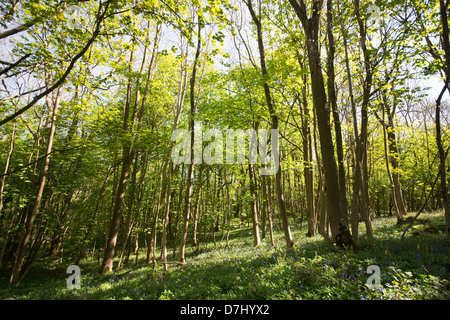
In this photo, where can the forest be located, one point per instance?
(224, 149)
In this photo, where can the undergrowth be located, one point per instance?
(414, 268)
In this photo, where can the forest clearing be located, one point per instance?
(224, 149)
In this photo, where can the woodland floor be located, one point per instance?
(417, 267)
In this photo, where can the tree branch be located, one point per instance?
(68, 70)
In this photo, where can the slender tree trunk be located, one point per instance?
(267, 195)
(442, 156)
(361, 147)
(337, 217)
(320, 219)
(322, 209)
(354, 215)
(17, 211)
(166, 218)
(264, 208)
(359, 198)
(274, 118)
(5, 171)
(308, 171)
(179, 106)
(91, 225)
(443, 8)
(333, 101)
(393, 155)
(391, 158)
(254, 212)
(130, 217)
(228, 214)
(388, 169)
(127, 159)
(178, 212)
(196, 216)
(308, 165)
(26, 235)
(181, 252)
(159, 205)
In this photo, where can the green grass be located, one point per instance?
(416, 268)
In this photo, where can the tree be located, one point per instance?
(443, 8)
(338, 218)
(274, 118)
(193, 104)
(101, 16)
(127, 159)
(333, 101)
(17, 271)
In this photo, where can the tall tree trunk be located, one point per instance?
(5, 171)
(356, 164)
(361, 147)
(393, 155)
(16, 275)
(267, 196)
(322, 208)
(179, 106)
(178, 211)
(333, 101)
(87, 233)
(308, 169)
(391, 158)
(187, 208)
(337, 217)
(388, 170)
(264, 209)
(442, 156)
(196, 213)
(228, 213)
(17, 211)
(320, 219)
(274, 118)
(443, 8)
(131, 219)
(254, 212)
(127, 159)
(166, 218)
